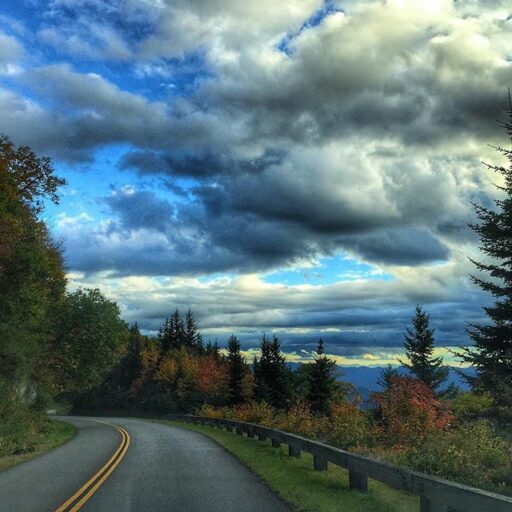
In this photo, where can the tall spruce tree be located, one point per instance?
(213, 350)
(192, 337)
(321, 381)
(271, 374)
(172, 333)
(237, 371)
(491, 354)
(419, 347)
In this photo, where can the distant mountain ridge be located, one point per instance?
(365, 378)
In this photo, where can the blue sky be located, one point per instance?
(305, 168)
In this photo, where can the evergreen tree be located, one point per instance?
(491, 354)
(271, 374)
(386, 375)
(419, 347)
(192, 337)
(172, 333)
(237, 371)
(321, 381)
(213, 350)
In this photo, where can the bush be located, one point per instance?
(346, 426)
(256, 412)
(300, 420)
(469, 406)
(408, 411)
(251, 412)
(470, 454)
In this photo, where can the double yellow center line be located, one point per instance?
(96, 481)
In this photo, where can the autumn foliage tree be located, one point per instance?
(409, 410)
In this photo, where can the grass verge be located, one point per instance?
(295, 481)
(59, 432)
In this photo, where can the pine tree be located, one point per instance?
(491, 354)
(172, 333)
(386, 376)
(237, 371)
(321, 381)
(177, 329)
(213, 350)
(271, 374)
(419, 347)
(192, 337)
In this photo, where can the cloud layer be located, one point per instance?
(264, 136)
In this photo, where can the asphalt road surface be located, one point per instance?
(139, 466)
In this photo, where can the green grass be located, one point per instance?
(298, 484)
(59, 432)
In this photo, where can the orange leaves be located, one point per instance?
(409, 411)
(181, 374)
(212, 377)
(255, 412)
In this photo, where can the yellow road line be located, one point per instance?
(104, 477)
(101, 475)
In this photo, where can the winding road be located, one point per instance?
(128, 465)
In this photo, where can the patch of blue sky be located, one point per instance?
(328, 270)
(328, 8)
(173, 77)
(89, 182)
(22, 11)
(161, 78)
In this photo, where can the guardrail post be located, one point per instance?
(357, 481)
(319, 463)
(276, 443)
(293, 451)
(429, 505)
(262, 437)
(239, 431)
(250, 433)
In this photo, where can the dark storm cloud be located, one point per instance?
(405, 246)
(197, 166)
(193, 239)
(141, 209)
(331, 147)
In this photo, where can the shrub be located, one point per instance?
(468, 406)
(300, 420)
(408, 411)
(256, 412)
(470, 454)
(346, 426)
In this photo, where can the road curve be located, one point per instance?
(154, 468)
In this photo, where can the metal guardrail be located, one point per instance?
(436, 494)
